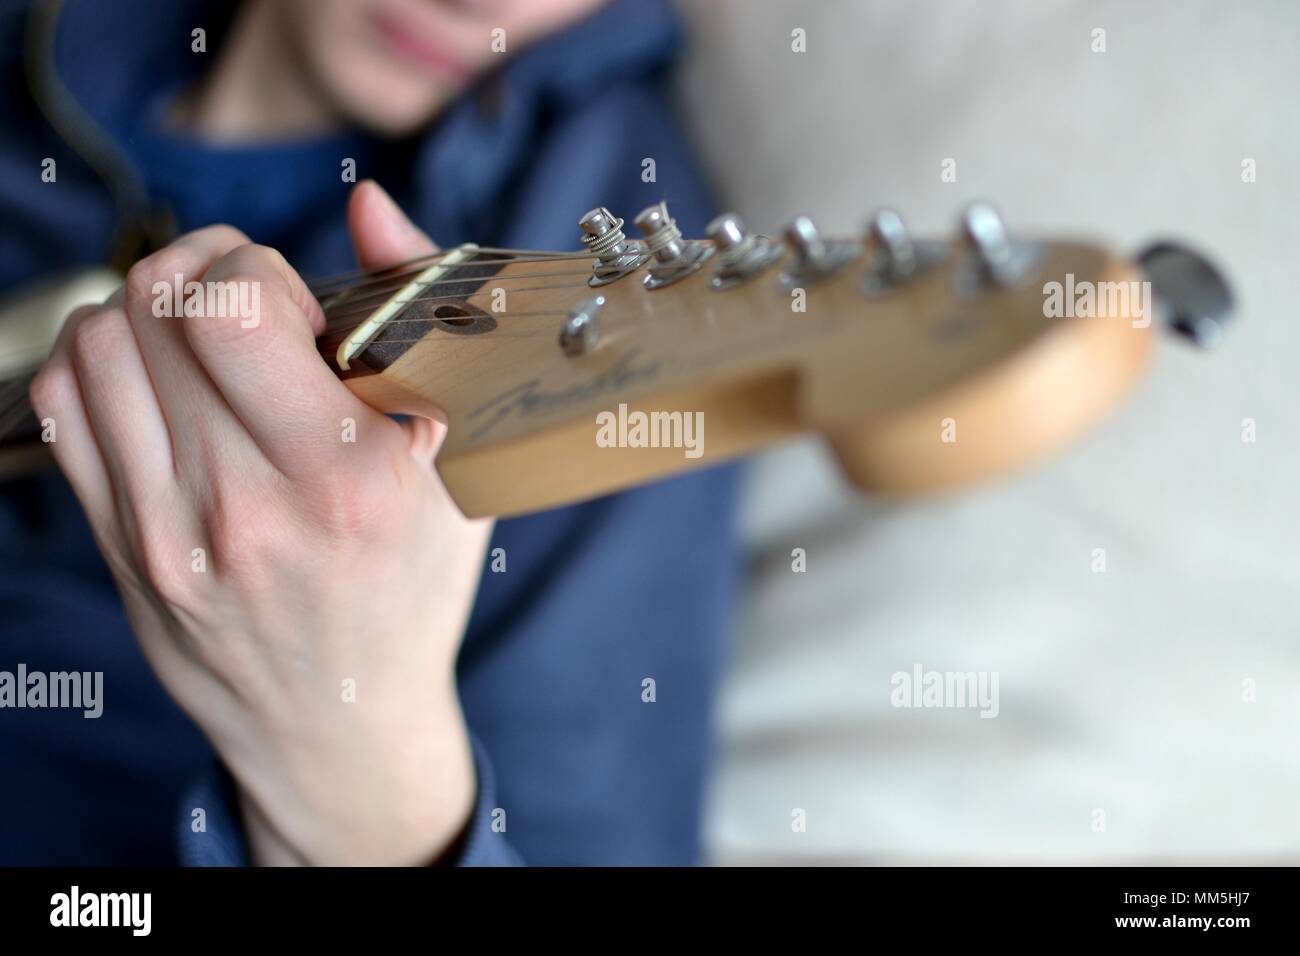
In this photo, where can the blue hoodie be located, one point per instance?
(595, 598)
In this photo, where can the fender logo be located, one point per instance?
(529, 398)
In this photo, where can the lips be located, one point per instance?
(408, 43)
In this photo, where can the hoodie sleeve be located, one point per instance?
(210, 832)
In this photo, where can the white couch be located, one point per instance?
(1125, 692)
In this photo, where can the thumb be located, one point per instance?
(381, 233)
(424, 436)
(383, 236)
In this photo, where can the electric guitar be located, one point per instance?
(925, 364)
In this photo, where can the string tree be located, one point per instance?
(581, 329)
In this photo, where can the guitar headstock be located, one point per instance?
(926, 364)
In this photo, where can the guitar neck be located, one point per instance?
(29, 324)
(925, 363)
(16, 416)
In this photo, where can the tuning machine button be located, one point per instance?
(615, 254)
(994, 258)
(1191, 295)
(741, 254)
(895, 257)
(815, 258)
(674, 258)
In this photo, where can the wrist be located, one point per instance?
(405, 801)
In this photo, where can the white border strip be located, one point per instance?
(362, 335)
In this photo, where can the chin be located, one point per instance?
(394, 121)
(393, 109)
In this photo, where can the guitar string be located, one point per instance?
(323, 349)
(338, 284)
(470, 278)
(450, 318)
(38, 353)
(429, 258)
(329, 351)
(315, 286)
(342, 316)
(391, 278)
(396, 284)
(382, 294)
(326, 353)
(497, 254)
(331, 285)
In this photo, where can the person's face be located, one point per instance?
(390, 65)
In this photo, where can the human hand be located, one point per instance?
(301, 596)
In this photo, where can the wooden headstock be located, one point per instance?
(925, 365)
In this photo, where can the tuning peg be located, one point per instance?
(604, 238)
(675, 258)
(661, 233)
(986, 235)
(1192, 295)
(599, 223)
(806, 240)
(814, 257)
(741, 254)
(893, 246)
(999, 260)
(729, 234)
(896, 258)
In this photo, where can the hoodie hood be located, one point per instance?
(111, 66)
(514, 161)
